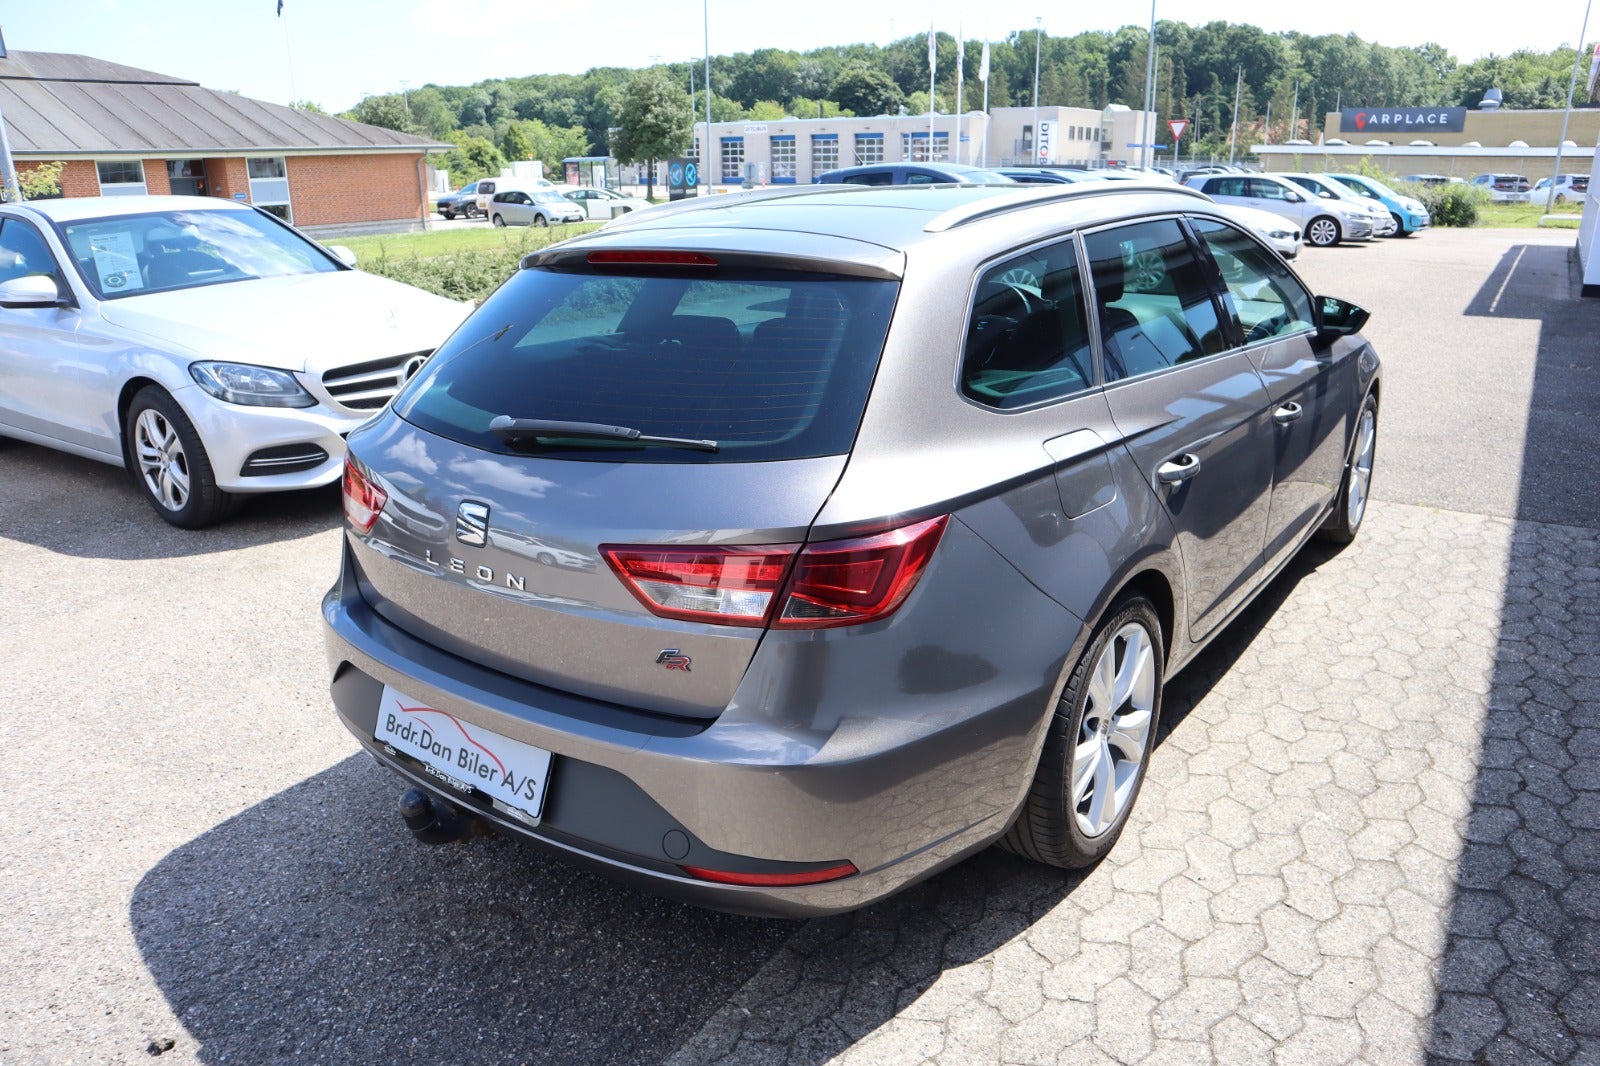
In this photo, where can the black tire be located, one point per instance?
(1345, 521)
(154, 417)
(1324, 231)
(449, 216)
(497, 221)
(1048, 829)
(1399, 226)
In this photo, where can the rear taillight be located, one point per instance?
(363, 499)
(786, 586)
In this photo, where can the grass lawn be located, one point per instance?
(1527, 216)
(484, 238)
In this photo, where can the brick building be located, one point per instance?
(121, 130)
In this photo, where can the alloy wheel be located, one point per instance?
(1323, 232)
(1361, 468)
(162, 462)
(1114, 730)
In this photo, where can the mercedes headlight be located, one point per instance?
(252, 386)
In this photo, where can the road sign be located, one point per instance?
(682, 177)
(1177, 126)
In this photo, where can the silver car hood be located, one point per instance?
(304, 323)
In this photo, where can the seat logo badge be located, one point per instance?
(472, 523)
(673, 659)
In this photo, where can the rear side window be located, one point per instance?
(770, 365)
(1028, 338)
(1225, 187)
(1154, 305)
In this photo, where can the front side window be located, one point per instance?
(125, 255)
(1225, 187)
(24, 253)
(1154, 306)
(769, 364)
(1267, 190)
(121, 177)
(1264, 299)
(1028, 336)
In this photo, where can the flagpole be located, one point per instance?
(983, 75)
(961, 62)
(1577, 63)
(933, 65)
(294, 91)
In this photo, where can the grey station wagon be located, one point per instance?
(778, 550)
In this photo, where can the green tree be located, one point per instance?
(867, 91)
(309, 106)
(472, 158)
(41, 181)
(390, 112)
(516, 143)
(768, 111)
(654, 122)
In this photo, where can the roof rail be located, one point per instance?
(730, 199)
(1034, 195)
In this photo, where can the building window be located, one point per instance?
(187, 177)
(914, 148)
(121, 177)
(269, 186)
(732, 159)
(783, 160)
(824, 152)
(869, 148)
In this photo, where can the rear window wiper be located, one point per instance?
(526, 432)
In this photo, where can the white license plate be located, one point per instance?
(466, 756)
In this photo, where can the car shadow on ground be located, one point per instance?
(42, 502)
(313, 927)
(1520, 976)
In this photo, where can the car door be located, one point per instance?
(53, 370)
(1312, 390)
(1271, 196)
(1191, 407)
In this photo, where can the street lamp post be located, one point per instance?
(1038, 23)
(1550, 200)
(1147, 120)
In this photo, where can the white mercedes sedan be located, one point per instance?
(204, 345)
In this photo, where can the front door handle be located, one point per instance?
(1179, 468)
(1289, 412)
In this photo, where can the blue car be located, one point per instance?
(912, 174)
(1409, 214)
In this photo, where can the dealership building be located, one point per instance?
(1454, 141)
(120, 130)
(795, 151)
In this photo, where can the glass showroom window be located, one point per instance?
(824, 153)
(732, 159)
(869, 148)
(121, 177)
(269, 186)
(914, 148)
(783, 160)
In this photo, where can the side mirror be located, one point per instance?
(1339, 318)
(34, 290)
(1295, 198)
(343, 254)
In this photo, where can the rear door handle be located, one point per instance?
(1179, 468)
(1287, 413)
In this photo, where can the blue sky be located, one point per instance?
(344, 48)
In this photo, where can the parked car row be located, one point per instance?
(528, 202)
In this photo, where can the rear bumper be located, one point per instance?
(805, 767)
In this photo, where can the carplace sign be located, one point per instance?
(1402, 119)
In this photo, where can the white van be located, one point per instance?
(487, 187)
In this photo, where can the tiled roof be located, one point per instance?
(66, 105)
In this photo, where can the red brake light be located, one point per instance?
(819, 586)
(363, 499)
(651, 258)
(803, 877)
(732, 586)
(845, 582)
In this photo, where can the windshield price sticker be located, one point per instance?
(466, 756)
(115, 262)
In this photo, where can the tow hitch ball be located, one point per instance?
(437, 822)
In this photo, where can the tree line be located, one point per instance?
(1286, 81)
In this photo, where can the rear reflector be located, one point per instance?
(775, 880)
(363, 499)
(819, 586)
(650, 258)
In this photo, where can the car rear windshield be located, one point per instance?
(770, 365)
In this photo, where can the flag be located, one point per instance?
(933, 51)
(983, 64)
(1594, 68)
(280, 8)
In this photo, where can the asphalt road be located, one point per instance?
(199, 865)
